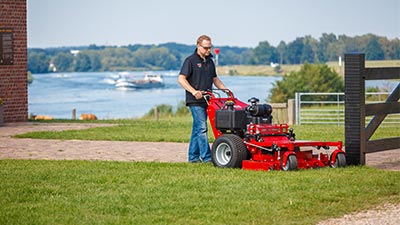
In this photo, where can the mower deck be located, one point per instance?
(310, 154)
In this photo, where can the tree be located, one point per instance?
(309, 52)
(117, 58)
(395, 49)
(264, 53)
(63, 62)
(307, 55)
(83, 63)
(324, 42)
(228, 57)
(160, 57)
(38, 62)
(235, 56)
(170, 56)
(295, 49)
(374, 51)
(310, 78)
(282, 52)
(95, 62)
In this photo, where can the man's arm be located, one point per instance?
(185, 84)
(218, 83)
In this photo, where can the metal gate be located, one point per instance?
(328, 108)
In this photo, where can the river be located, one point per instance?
(56, 94)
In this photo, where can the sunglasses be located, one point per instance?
(206, 48)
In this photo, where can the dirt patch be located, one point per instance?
(14, 148)
(387, 214)
(387, 160)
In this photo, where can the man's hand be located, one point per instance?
(197, 94)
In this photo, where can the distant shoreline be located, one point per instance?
(266, 70)
(262, 70)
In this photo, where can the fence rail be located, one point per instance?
(316, 110)
(279, 113)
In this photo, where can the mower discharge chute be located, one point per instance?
(246, 138)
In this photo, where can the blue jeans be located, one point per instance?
(199, 149)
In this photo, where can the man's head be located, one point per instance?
(204, 46)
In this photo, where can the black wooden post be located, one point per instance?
(355, 108)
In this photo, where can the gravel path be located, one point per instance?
(387, 214)
(12, 148)
(83, 150)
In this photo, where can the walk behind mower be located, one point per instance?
(246, 138)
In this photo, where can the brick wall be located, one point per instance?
(13, 78)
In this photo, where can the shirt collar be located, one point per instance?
(207, 57)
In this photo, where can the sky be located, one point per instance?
(240, 23)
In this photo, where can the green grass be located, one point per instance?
(178, 129)
(95, 192)
(173, 129)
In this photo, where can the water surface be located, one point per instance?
(56, 94)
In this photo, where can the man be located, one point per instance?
(198, 74)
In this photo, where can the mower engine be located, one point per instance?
(246, 138)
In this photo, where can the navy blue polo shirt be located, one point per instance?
(200, 75)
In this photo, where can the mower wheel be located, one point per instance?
(340, 161)
(228, 151)
(291, 163)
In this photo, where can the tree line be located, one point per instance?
(170, 56)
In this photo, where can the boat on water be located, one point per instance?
(148, 81)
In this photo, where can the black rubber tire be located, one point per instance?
(291, 163)
(228, 151)
(340, 161)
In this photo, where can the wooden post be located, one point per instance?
(279, 112)
(156, 113)
(355, 108)
(73, 114)
(291, 111)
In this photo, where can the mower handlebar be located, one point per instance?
(213, 92)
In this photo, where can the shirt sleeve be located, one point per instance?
(186, 68)
(214, 74)
(214, 70)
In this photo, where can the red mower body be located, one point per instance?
(246, 138)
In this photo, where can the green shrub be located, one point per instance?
(30, 77)
(277, 69)
(164, 110)
(310, 78)
(374, 97)
(182, 109)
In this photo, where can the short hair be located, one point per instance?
(202, 38)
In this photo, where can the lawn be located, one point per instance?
(177, 129)
(95, 192)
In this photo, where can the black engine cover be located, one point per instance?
(233, 120)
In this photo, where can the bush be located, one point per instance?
(30, 77)
(277, 69)
(374, 97)
(182, 109)
(164, 110)
(310, 78)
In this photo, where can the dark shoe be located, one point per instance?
(194, 161)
